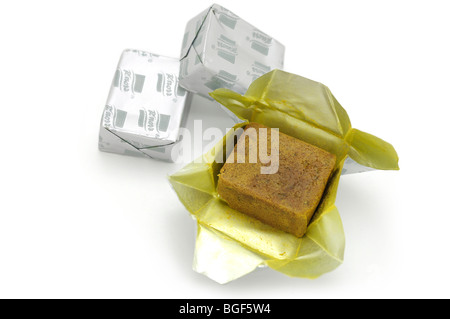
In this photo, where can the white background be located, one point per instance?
(78, 223)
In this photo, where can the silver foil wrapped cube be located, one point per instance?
(220, 50)
(145, 108)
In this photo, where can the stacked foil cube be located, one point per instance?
(150, 94)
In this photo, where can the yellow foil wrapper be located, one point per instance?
(230, 244)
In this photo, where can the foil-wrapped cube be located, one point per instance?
(145, 108)
(220, 50)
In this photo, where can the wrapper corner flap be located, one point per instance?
(308, 110)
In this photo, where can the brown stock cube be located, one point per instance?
(286, 199)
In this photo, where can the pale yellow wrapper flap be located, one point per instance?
(308, 110)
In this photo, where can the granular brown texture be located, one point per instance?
(285, 200)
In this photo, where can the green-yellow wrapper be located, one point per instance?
(230, 244)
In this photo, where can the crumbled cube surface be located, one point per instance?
(285, 200)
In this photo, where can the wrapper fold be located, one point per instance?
(230, 244)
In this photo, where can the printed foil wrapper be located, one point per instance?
(220, 50)
(145, 108)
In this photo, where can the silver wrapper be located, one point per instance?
(145, 108)
(220, 50)
(352, 167)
